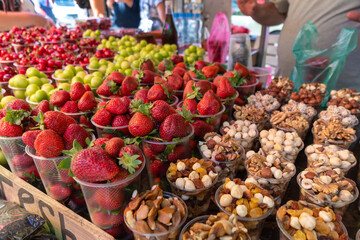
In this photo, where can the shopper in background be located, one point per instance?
(127, 12)
(44, 7)
(329, 17)
(152, 15)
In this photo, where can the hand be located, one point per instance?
(247, 6)
(353, 16)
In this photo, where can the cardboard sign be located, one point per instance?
(66, 223)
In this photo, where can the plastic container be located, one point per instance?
(253, 225)
(199, 80)
(260, 125)
(262, 75)
(23, 47)
(288, 156)
(171, 234)
(59, 80)
(99, 198)
(175, 101)
(21, 68)
(201, 219)
(109, 132)
(342, 144)
(4, 63)
(18, 92)
(284, 235)
(32, 104)
(247, 143)
(229, 105)
(5, 86)
(302, 134)
(197, 200)
(247, 90)
(338, 207)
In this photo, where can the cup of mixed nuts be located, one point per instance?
(281, 88)
(347, 98)
(338, 113)
(253, 114)
(308, 111)
(312, 94)
(266, 101)
(290, 121)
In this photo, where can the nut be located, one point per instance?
(180, 166)
(225, 200)
(236, 192)
(180, 183)
(294, 222)
(210, 144)
(307, 221)
(268, 201)
(241, 210)
(189, 185)
(326, 216)
(220, 157)
(206, 180)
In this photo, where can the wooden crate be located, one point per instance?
(66, 223)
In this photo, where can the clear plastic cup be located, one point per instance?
(201, 219)
(260, 125)
(262, 75)
(19, 162)
(284, 235)
(5, 86)
(175, 101)
(23, 47)
(32, 104)
(59, 80)
(340, 143)
(110, 132)
(154, 150)
(105, 201)
(288, 156)
(302, 134)
(247, 90)
(197, 200)
(246, 143)
(229, 105)
(105, 99)
(338, 207)
(92, 70)
(57, 182)
(253, 225)
(4, 63)
(18, 92)
(171, 234)
(199, 80)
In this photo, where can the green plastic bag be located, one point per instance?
(321, 65)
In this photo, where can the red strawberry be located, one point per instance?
(192, 74)
(129, 85)
(244, 71)
(69, 120)
(59, 192)
(179, 152)
(100, 141)
(105, 219)
(140, 125)
(187, 78)
(157, 92)
(75, 132)
(165, 64)
(161, 110)
(18, 104)
(216, 81)
(173, 127)
(210, 71)
(64, 173)
(113, 146)
(204, 86)
(225, 89)
(30, 136)
(87, 87)
(87, 102)
(229, 75)
(190, 105)
(188, 88)
(222, 70)
(175, 81)
(70, 107)
(59, 98)
(109, 198)
(179, 70)
(43, 106)
(200, 64)
(104, 89)
(116, 106)
(77, 90)
(142, 95)
(117, 77)
(121, 121)
(132, 150)
(3, 113)
(56, 121)
(30, 170)
(149, 153)
(22, 161)
(102, 117)
(158, 168)
(101, 105)
(147, 65)
(8, 129)
(93, 165)
(181, 65)
(49, 144)
(201, 128)
(177, 59)
(208, 105)
(147, 76)
(85, 121)
(157, 148)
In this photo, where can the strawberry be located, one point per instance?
(59, 98)
(149, 153)
(126, 101)
(87, 87)
(225, 89)
(93, 165)
(70, 107)
(83, 120)
(157, 148)
(128, 86)
(76, 91)
(18, 104)
(201, 128)
(177, 59)
(229, 74)
(22, 161)
(210, 71)
(204, 86)
(59, 192)
(179, 152)
(216, 80)
(117, 77)
(121, 121)
(30, 170)
(147, 64)
(158, 92)
(161, 110)
(140, 125)
(131, 158)
(192, 74)
(147, 76)
(87, 102)
(75, 132)
(174, 80)
(181, 65)
(102, 117)
(208, 105)
(101, 105)
(69, 120)
(173, 127)
(158, 168)
(100, 141)
(189, 88)
(105, 88)
(49, 144)
(186, 78)
(165, 64)
(43, 106)
(113, 146)
(8, 129)
(123, 174)
(179, 70)
(30, 136)
(132, 150)
(116, 106)
(109, 198)
(142, 95)
(56, 121)
(190, 105)
(222, 70)
(241, 69)
(105, 219)
(200, 64)
(2, 113)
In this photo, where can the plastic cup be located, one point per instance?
(338, 207)
(197, 200)
(154, 150)
(247, 90)
(302, 134)
(201, 219)
(18, 92)
(32, 104)
(23, 47)
(260, 124)
(171, 234)
(247, 143)
(109, 132)
(253, 225)
(199, 80)
(4, 63)
(175, 101)
(99, 197)
(341, 143)
(229, 105)
(284, 235)
(92, 70)
(288, 156)
(13, 149)
(5, 86)
(262, 75)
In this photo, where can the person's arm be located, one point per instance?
(353, 16)
(161, 11)
(266, 14)
(23, 19)
(98, 8)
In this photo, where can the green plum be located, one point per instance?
(3, 161)
(96, 82)
(32, 98)
(47, 87)
(94, 65)
(31, 71)
(79, 69)
(31, 89)
(20, 94)
(58, 72)
(77, 79)
(87, 78)
(64, 86)
(41, 95)
(5, 100)
(35, 80)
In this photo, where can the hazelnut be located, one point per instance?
(326, 216)
(310, 175)
(266, 173)
(180, 166)
(307, 221)
(294, 222)
(211, 144)
(236, 192)
(225, 200)
(268, 201)
(220, 157)
(241, 210)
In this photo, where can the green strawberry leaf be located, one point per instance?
(166, 91)
(210, 120)
(115, 132)
(114, 88)
(186, 114)
(16, 116)
(135, 104)
(237, 80)
(116, 212)
(129, 162)
(195, 94)
(71, 174)
(167, 73)
(40, 120)
(76, 148)
(65, 163)
(139, 76)
(199, 74)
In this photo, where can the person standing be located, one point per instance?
(44, 7)
(152, 15)
(127, 12)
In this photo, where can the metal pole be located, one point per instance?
(263, 45)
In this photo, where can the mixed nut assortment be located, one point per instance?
(310, 93)
(303, 221)
(333, 113)
(281, 88)
(331, 155)
(347, 98)
(216, 227)
(266, 101)
(290, 121)
(347, 93)
(308, 111)
(243, 131)
(253, 114)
